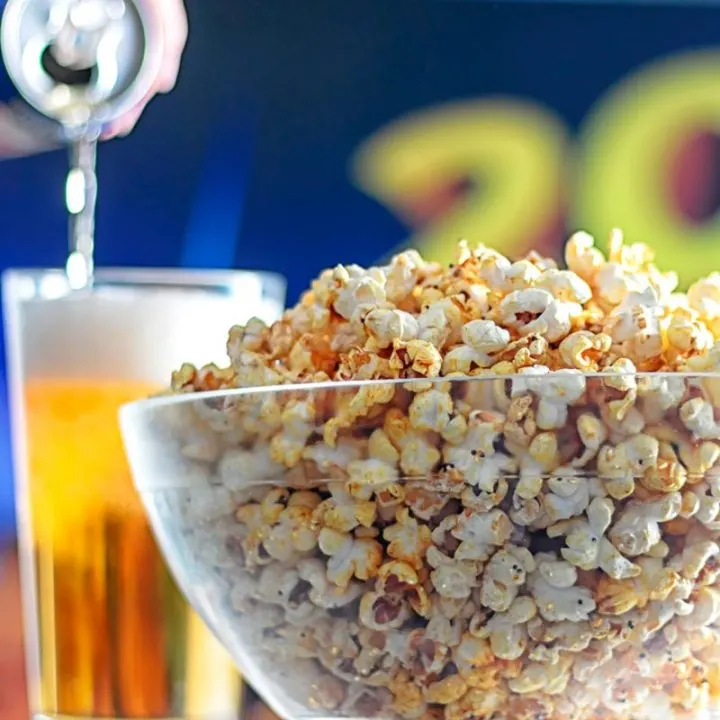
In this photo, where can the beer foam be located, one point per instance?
(141, 334)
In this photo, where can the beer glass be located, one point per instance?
(108, 634)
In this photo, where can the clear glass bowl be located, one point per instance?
(534, 546)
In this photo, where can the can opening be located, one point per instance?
(63, 74)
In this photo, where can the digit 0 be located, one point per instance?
(488, 170)
(629, 149)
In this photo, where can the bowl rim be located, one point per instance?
(157, 401)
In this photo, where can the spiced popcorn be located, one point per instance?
(483, 492)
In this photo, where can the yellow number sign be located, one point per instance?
(627, 147)
(508, 154)
(516, 167)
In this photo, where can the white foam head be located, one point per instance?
(133, 325)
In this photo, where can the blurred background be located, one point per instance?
(303, 134)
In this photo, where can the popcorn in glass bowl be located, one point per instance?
(483, 492)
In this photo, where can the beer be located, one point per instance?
(115, 639)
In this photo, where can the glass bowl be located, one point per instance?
(538, 546)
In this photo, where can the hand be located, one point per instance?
(171, 20)
(19, 137)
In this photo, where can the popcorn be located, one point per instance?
(568, 495)
(522, 274)
(427, 657)
(627, 460)
(656, 586)
(565, 286)
(698, 416)
(367, 290)
(419, 356)
(359, 405)
(705, 609)
(503, 575)
(536, 311)
(659, 393)
(480, 533)
(408, 699)
(484, 336)
(407, 539)
(506, 630)
(425, 503)
(557, 637)
(583, 349)
(403, 274)
(637, 528)
(293, 533)
(439, 322)
(694, 557)
(332, 461)
(482, 339)
(582, 258)
(322, 592)
(343, 512)
(686, 335)
(699, 458)
(430, 410)
(708, 509)
(445, 691)
(540, 676)
(556, 596)
(366, 476)
(418, 456)
(483, 501)
(476, 457)
(634, 325)
(704, 297)
(588, 548)
(349, 557)
(397, 591)
(477, 703)
(556, 392)
(452, 578)
(474, 660)
(511, 510)
(384, 326)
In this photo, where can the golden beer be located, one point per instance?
(115, 637)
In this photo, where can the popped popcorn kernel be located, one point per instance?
(536, 311)
(506, 631)
(386, 325)
(585, 351)
(349, 557)
(557, 597)
(407, 539)
(504, 574)
(583, 258)
(485, 337)
(430, 410)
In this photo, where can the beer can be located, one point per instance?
(81, 63)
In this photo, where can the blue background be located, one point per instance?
(245, 164)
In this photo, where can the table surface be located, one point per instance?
(13, 696)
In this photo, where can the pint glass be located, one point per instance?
(107, 633)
